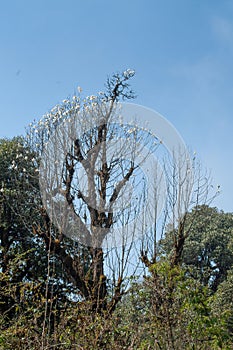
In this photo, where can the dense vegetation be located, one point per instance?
(59, 293)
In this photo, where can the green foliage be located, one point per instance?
(222, 303)
(208, 249)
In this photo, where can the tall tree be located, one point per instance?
(87, 158)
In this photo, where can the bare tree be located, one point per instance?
(180, 186)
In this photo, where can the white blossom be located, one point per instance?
(129, 73)
(54, 109)
(130, 131)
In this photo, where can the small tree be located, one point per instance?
(207, 251)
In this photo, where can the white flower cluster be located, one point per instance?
(14, 166)
(22, 160)
(46, 125)
(130, 131)
(75, 110)
(128, 73)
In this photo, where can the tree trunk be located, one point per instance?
(99, 289)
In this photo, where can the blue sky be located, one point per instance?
(182, 52)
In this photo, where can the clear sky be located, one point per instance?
(182, 51)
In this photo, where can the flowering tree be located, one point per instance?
(18, 246)
(92, 188)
